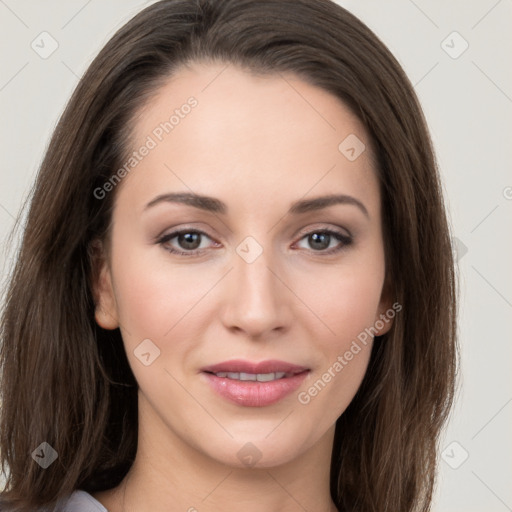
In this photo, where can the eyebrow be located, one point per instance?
(211, 204)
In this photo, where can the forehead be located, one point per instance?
(216, 128)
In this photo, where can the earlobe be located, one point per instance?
(105, 312)
(386, 312)
(384, 321)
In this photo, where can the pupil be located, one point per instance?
(189, 240)
(319, 240)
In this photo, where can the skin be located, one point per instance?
(257, 143)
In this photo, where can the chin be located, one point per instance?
(259, 451)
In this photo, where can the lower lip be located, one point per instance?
(253, 393)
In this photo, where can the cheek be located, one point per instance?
(352, 305)
(349, 313)
(348, 304)
(152, 295)
(349, 307)
(170, 304)
(346, 299)
(162, 305)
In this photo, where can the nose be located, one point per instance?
(257, 302)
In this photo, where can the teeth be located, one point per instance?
(260, 377)
(248, 376)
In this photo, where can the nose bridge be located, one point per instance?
(255, 281)
(256, 301)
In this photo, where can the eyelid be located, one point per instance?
(164, 238)
(323, 227)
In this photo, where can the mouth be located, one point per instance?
(254, 377)
(251, 384)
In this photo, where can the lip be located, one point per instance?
(239, 365)
(255, 393)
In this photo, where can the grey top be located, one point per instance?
(77, 501)
(81, 501)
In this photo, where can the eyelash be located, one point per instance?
(344, 239)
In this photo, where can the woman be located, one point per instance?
(236, 285)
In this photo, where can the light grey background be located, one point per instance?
(467, 100)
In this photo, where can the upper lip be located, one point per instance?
(241, 366)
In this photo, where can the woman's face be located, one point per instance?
(267, 280)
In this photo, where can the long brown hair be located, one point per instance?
(67, 382)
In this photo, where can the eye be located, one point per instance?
(189, 242)
(326, 241)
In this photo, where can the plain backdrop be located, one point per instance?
(458, 56)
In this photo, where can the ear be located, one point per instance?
(105, 313)
(386, 311)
